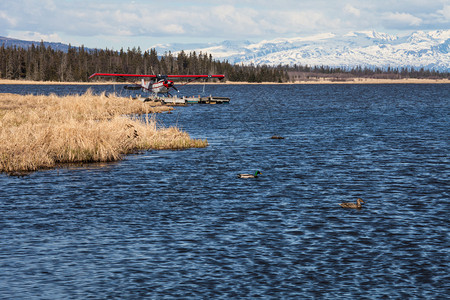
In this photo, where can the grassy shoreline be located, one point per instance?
(42, 132)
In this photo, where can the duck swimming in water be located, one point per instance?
(249, 175)
(356, 205)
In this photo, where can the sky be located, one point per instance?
(116, 24)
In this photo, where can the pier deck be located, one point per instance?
(186, 100)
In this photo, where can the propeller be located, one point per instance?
(170, 84)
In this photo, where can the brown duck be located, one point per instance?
(250, 175)
(356, 205)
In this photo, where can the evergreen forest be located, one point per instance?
(40, 63)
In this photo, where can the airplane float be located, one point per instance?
(158, 84)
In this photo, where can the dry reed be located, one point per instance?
(38, 132)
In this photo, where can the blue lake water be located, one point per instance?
(180, 224)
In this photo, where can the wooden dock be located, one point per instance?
(186, 100)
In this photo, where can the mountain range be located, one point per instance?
(10, 42)
(421, 49)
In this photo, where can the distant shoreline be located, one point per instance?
(357, 81)
(316, 81)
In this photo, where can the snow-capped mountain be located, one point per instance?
(10, 42)
(429, 50)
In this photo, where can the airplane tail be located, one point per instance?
(145, 86)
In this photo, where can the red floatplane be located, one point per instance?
(158, 84)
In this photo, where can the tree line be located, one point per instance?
(297, 73)
(40, 63)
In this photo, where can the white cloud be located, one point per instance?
(445, 12)
(297, 21)
(175, 20)
(239, 21)
(402, 20)
(7, 19)
(352, 10)
(36, 36)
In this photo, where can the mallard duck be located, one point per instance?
(356, 205)
(249, 175)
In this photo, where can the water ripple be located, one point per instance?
(180, 224)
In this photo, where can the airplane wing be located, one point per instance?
(197, 76)
(120, 75)
(155, 76)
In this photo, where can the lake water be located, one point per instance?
(180, 224)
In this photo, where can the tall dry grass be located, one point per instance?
(39, 132)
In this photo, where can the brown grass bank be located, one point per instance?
(39, 132)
